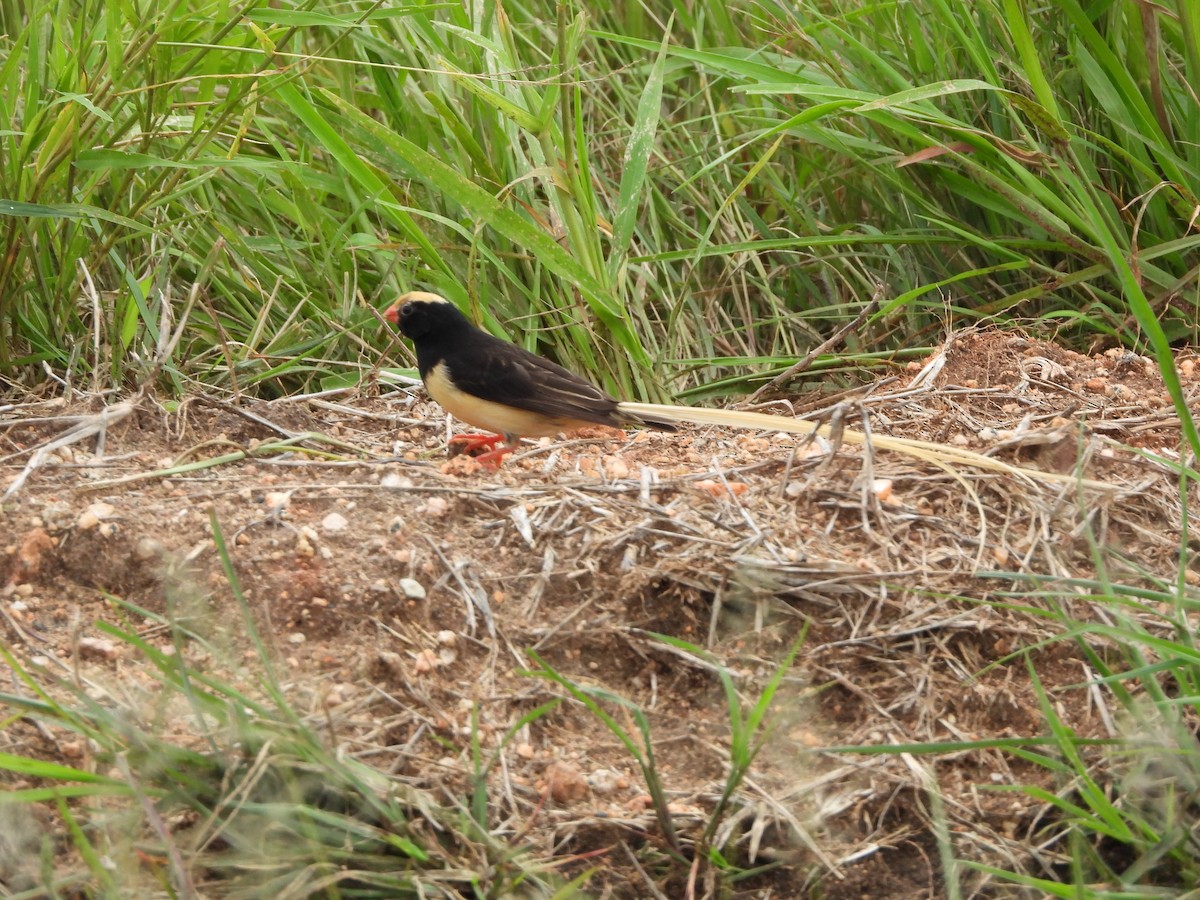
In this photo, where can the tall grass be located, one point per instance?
(650, 193)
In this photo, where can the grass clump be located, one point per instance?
(710, 192)
(713, 856)
(1133, 825)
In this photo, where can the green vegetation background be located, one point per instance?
(679, 199)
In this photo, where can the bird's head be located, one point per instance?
(417, 313)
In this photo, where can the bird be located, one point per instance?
(497, 386)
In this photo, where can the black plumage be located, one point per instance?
(496, 385)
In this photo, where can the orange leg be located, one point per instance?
(493, 458)
(470, 443)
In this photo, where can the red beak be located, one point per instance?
(392, 313)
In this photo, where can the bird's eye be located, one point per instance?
(406, 310)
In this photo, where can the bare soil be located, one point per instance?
(400, 592)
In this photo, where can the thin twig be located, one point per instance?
(779, 380)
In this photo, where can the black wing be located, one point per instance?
(495, 370)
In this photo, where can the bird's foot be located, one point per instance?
(470, 444)
(493, 458)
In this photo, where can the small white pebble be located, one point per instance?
(297, 637)
(447, 638)
(147, 548)
(882, 488)
(94, 515)
(412, 589)
(436, 507)
(335, 522)
(395, 480)
(616, 468)
(604, 781)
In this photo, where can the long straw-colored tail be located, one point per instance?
(940, 454)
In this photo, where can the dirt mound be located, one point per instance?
(402, 591)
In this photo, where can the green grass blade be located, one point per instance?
(636, 161)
